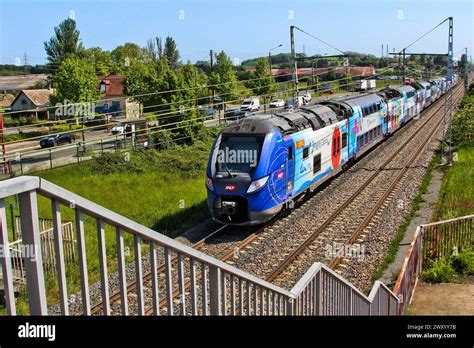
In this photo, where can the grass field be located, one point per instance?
(457, 192)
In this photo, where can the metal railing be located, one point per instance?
(192, 283)
(441, 238)
(431, 241)
(321, 291)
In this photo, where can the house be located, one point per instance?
(6, 101)
(32, 103)
(114, 100)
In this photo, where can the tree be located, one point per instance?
(75, 82)
(101, 60)
(168, 94)
(204, 66)
(224, 76)
(196, 79)
(64, 43)
(155, 48)
(261, 81)
(124, 55)
(171, 53)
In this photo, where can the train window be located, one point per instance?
(305, 152)
(290, 153)
(317, 163)
(344, 139)
(366, 138)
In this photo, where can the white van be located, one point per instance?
(250, 104)
(295, 102)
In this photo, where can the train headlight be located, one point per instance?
(209, 184)
(257, 184)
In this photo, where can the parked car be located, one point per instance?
(118, 129)
(277, 103)
(208, 113)
(235, 114)
(306, 97)
(58, 139)
(250, 104)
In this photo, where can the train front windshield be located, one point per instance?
(239, 154)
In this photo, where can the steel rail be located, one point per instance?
(296, 252)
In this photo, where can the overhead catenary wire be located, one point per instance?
(161, 128)
(173, 113)
(81, 118)
(425, 34)
(139, 95)
(320, 40)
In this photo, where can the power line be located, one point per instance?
(428, 32)
(320, 40)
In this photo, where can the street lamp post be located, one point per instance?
(270, 67)
(270, 56)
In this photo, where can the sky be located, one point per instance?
(242, 28)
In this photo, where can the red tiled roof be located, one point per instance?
(113, 85)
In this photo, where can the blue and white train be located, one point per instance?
(264, 163)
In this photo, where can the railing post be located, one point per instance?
(6, 262)
(215, 290)
(350, 301)
(50, 160)
(318, 294)
(34, 263)
(291, 306)
(59, 251)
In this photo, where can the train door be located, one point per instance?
(290, 169)
(336, 148)
(386, 119)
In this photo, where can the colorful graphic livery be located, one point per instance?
(264, 163)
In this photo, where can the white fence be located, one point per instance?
(193, 284)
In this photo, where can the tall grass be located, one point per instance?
(457, 191)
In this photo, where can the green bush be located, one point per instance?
(464, 262)
(65, 127)
(440, 271)
(24, 121)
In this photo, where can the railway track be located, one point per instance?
(231, 246)
(224, 253)
(352, 232)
